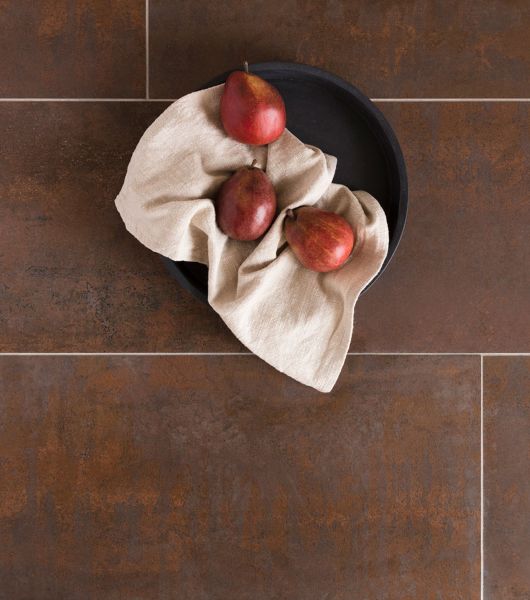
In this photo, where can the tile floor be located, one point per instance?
(155, 476)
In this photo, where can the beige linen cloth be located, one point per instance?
(297, 320)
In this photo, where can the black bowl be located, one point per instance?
(326, 111)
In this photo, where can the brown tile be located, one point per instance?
(180, 477)
(389, 49)
(72, 278)
(459, 281)
(72, 48)
(506, 481)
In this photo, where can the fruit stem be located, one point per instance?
(253, 163)
(245, 66)
(289, 213)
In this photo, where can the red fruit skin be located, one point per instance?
(252, 110)
(246, 204)
(321, 240)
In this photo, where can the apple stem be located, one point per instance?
(245, 66)
(253, 163)
(289, 213)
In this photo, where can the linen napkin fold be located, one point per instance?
(297, 320)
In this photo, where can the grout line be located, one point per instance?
(87, 100)
(246, 354)
(413, 354)
(147, 49)
(148, 99)
(505, 354)
(450, 99)
(125, 354)
(439, 354)
(481, 477)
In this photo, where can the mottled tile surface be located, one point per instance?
(387, 48)
(72, 48)
(73, 279)
(459, 281)
(179, 477)
(506, 477)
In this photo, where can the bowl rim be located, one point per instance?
(386, 136)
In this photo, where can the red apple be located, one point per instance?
(321, 240)
(252, 110)
(246, 204)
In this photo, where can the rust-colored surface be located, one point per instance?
(180, 477)
(389, 49)
(73, 279)
(506, 477)
(459, 281)
(72, 48)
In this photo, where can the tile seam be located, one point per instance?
(482, 477)
(480, 354)
(147, 50)
(149, 99)
(87, 99)
(450, 100)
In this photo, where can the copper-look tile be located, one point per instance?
(217, 477)
(73, 279)
(72, 48)
(387, 48)
(506, 478)
(459, 281)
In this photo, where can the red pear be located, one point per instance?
(252, 110)
(246, 204)
(321, 240)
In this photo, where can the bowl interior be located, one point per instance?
(327, 112)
